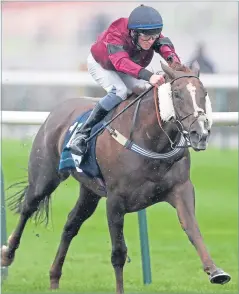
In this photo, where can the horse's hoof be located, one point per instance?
(219, 277)
(6, 261)
(54, 285)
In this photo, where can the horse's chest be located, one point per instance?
(166, 177)
(156, 183)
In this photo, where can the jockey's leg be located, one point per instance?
(134, 85)
(116, 93)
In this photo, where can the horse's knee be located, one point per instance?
(71, 228)
(69, 232)
(118, 256)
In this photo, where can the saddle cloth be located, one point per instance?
(87, 164)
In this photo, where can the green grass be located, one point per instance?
(176, 267)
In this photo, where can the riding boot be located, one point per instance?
(78, 145)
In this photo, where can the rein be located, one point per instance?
(157, 106)
(177, 151)
(123, 110)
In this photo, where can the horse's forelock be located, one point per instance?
(180, 67)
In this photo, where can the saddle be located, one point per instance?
(86, 164)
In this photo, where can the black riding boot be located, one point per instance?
(78, 144)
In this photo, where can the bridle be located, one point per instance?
(182, 142)
(178, 121)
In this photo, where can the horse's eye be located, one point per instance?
(176, 94)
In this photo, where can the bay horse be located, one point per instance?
(152, 167)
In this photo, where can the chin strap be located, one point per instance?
(135, 36)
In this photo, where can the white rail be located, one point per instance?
(37, 118)
(52, 78)
(78, 79)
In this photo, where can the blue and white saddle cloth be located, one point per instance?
(87, 164)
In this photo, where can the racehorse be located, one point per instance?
(141, 166)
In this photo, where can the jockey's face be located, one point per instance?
(146, 41)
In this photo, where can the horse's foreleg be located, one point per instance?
(115, 215)
(183, 199)
(84, 208)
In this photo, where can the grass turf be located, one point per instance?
(175, 265)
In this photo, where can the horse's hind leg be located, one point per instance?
(43, 180)
(84, 208)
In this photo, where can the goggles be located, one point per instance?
(146, 38)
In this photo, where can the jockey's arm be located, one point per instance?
(166, 49)
(121, 59)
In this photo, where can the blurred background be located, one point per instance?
(56, 37)
(42, 40)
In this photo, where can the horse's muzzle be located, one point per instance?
(199, 141)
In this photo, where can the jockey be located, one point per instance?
(117, 63)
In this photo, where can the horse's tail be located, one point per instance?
(16, 200)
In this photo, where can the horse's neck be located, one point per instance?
(159, 137)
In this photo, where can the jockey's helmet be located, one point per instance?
(146, 20)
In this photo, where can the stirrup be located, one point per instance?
(83, 131)
(79, 149)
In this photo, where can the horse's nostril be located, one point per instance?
(193, 133)
(204, 136)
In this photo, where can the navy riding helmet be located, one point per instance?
(146, 20)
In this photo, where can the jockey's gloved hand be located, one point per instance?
(157, 80)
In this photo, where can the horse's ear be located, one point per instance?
(168, 70)
(195, 67)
